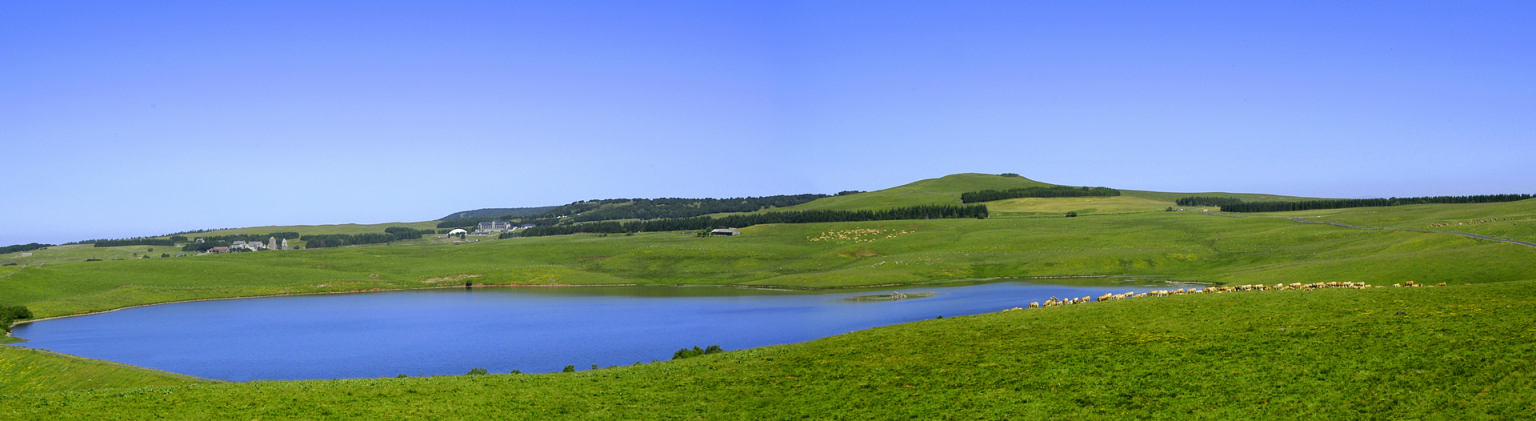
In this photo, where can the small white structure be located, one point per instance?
(24, 255)
(726, 231)
(459, 231)
(284, 245)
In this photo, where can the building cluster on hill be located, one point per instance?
(273, 243)
(489, 227)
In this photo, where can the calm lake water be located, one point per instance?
(439, 332)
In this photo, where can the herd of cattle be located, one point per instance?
(1212, 290)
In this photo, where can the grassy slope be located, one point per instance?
(1055, 207)
(31, 371)
(80, 252)
(1161, 245)
(319, 229)
(1462, 352)
(1171, 196)
(934, 191)
(1513, 220)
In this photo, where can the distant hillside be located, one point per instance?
(944, 190)
(1246, 197)
(497, 213)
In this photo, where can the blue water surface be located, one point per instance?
(440, 332)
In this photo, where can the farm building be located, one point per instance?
(725, 231)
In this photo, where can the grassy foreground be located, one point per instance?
(32, 371)
(1458, 352)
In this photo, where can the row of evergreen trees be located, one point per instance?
(1207, 201)
(1362, 203)
(389, 235)
(463, 223)
(1050, 191)
(687, 208)
(140, 241)
(22, 247)
(741, 221)
(613, 209)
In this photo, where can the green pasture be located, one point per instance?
(1464, 351)
(1459, 352)
(1511, 220)
(351, 229)
(934, 191)
(80, 252)
(1059, 206)
(33, 371)
(1173, 246)
(1171, 197)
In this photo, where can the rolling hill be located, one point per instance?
(1460, 351)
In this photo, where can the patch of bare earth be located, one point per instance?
(450, 278)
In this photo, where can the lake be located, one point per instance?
(450, 331)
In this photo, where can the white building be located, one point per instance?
(494, 226)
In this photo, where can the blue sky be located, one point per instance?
(125, 119)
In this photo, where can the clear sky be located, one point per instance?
(123, 119)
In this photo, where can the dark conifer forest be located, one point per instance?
(1362, 203)
(741, 221)
(1207, 201)
(1052, 191)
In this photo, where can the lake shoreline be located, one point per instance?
(558, 285)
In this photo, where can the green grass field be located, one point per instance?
(1179, 246)
(934, 191)
(1461, 352)
(1512, 220)
(25, 371)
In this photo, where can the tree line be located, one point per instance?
(741, 221)
(389, 235)
(212, 241)
(140, 241)
(1362, 203)
(22, 247)
(1207, 201)
(1044, 191)
(687, 208)
(645, 209)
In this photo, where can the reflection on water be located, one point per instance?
(438, 332)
